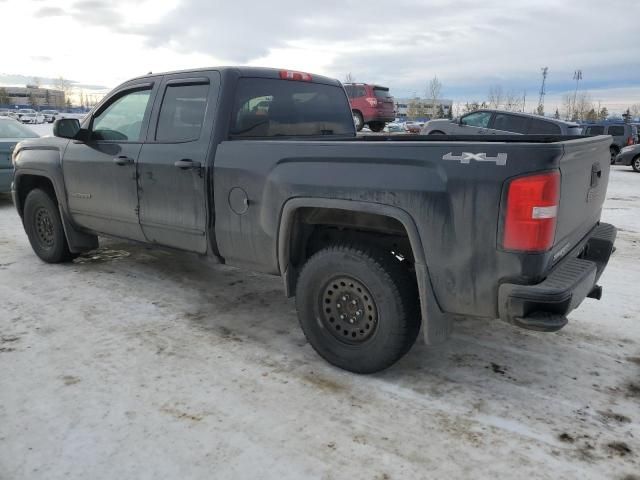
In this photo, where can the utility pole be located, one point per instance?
(524, 100)
(543, 90)
(577, 76)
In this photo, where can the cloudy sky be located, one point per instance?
(469, 44)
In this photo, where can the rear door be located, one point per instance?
(172, 166)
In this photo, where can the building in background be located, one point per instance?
(422, 109)
(33, 96)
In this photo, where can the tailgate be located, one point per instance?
(584, 169)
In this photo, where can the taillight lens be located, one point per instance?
(291, 75)
(372, 101)
(630, 141)
(531, 212)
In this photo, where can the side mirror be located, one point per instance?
(66, 127)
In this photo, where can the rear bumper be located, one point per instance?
(544, 306)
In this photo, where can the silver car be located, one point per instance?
(498, 122)
(629, 156)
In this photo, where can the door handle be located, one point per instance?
(186, 164)
(123, 160)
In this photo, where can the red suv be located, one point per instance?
(371, 105)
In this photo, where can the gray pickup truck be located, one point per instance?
(376, 237)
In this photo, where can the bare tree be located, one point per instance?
(635, 110)
(65, 87)
(496, 96)
(434, 91)
(513, 102)
(348, 78)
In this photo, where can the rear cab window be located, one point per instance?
(266, 107)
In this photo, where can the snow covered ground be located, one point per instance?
(141, 364)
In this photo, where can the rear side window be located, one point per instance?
(510, 123)
(276, 108)
(595, 130)
(182, 113)
(542, 127)
(381, 92)
(616, 131)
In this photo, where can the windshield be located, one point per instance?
(13, 129)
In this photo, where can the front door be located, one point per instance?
(172, 166)
(100, 172)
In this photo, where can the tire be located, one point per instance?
(635, 164)
(376, 126)
(358, 120)
(44, 229)
(436, 132)
(386, 296)
(614, 153)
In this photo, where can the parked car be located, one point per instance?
(498, 122)
(11, 132)
(629, 156)
(378, 237)
(413, 127)
(371, 105)
(35, 117)
(394, 128)
(51, 116)
(22, 111)
(4, 112)
(624, 135)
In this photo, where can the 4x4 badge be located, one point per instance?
(466, 157)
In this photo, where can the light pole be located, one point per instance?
(577, 76)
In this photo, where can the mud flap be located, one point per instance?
(78, 241)
(436, 324)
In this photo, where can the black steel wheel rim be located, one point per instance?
(348, 310)
(44, 227)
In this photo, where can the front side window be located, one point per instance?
(182, 113)
(272, 108)
(122, 119)
(477, 119)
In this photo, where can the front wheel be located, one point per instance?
(635, 164)
(358, 307)
(43, 226)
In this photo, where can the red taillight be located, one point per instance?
(531, 213)
(291, 75)
(373, 101)
(630, 141)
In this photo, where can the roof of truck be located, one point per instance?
(245, 71)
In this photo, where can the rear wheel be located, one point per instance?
(358, 120)
(635, 164)
(358, 307)
(376, 126)
(436, 132)
(43, 226)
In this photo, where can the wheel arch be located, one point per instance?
(437, 324)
